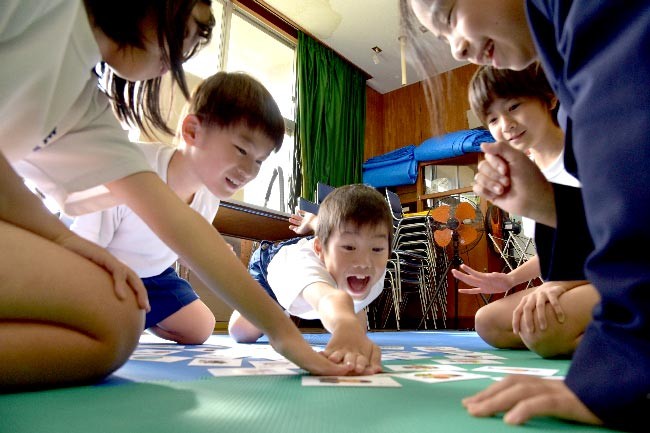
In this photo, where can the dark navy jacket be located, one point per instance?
(596, 55)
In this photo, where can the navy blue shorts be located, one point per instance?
(259, 263)
(168, 293)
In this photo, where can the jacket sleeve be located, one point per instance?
(597, 58)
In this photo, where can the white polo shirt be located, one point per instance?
(127, 237)
(295, 267)
(56, 127)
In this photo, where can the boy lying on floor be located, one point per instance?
(332, 276)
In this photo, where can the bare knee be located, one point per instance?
(486, 328)
(555, 341)
(241, 330)
(119, 340)
(192, 324)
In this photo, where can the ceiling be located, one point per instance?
(353, 27)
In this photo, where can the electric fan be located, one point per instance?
(457, 217)
(455, 220)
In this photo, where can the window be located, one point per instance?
(242, 43)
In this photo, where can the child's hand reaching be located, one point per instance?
(303, 223)
(352, 347)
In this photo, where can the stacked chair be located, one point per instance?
(413, 266)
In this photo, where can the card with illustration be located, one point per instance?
(229, 372)
(441, 376)
(215, 362)
(159, 352)
(351, 381)
(157, 358)
(282, 363)
(467, 361)
(423, 367)
(474, 355)
(406, 355)
(518, 370)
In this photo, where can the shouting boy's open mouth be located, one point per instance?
(358, 284)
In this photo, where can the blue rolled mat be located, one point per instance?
(452, 144)
(396, 156)
(401, 173)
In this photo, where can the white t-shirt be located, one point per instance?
(127, 237)
(297, 266)
(555, 173)
(56, 127)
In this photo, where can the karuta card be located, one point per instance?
(207, 349)
(441, 376)
(158, 358)
(159, 352)
(467, 361)
(476, 355)
(423, 367)
(215, 362)
(517, 370)
(225, 372)
(283, 363)
(351, 381)
(392, 348)
(406, 355)
(176, 347)
(500, 378)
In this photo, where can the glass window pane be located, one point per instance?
(208, 61)
(265, 57)
(255, 191)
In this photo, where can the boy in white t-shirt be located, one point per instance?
(519, 107)
(233, 125)
(332, 276)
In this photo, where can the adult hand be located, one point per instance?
(514, 183)
(482, 282)
(124, 278)
(524, 397)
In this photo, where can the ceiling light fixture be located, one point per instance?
(402, 50)
(375, 55)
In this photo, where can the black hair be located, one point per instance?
(121, 21)
(228, 98)
(357, 204)
(489, 83)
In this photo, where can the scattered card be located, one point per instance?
(351, 381)
(406, 355)
(160, 352)
(283, 363)
(474, 356)
(216, 362)
(467, 361)
(518, 370)
(441, 376)
(224, 372)
(157, 358)
(423, 367)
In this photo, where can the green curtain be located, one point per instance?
(330, 120)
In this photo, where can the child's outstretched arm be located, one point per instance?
(496, 282)
(203, 249)
(349, 343)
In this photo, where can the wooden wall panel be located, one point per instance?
(402, 117)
